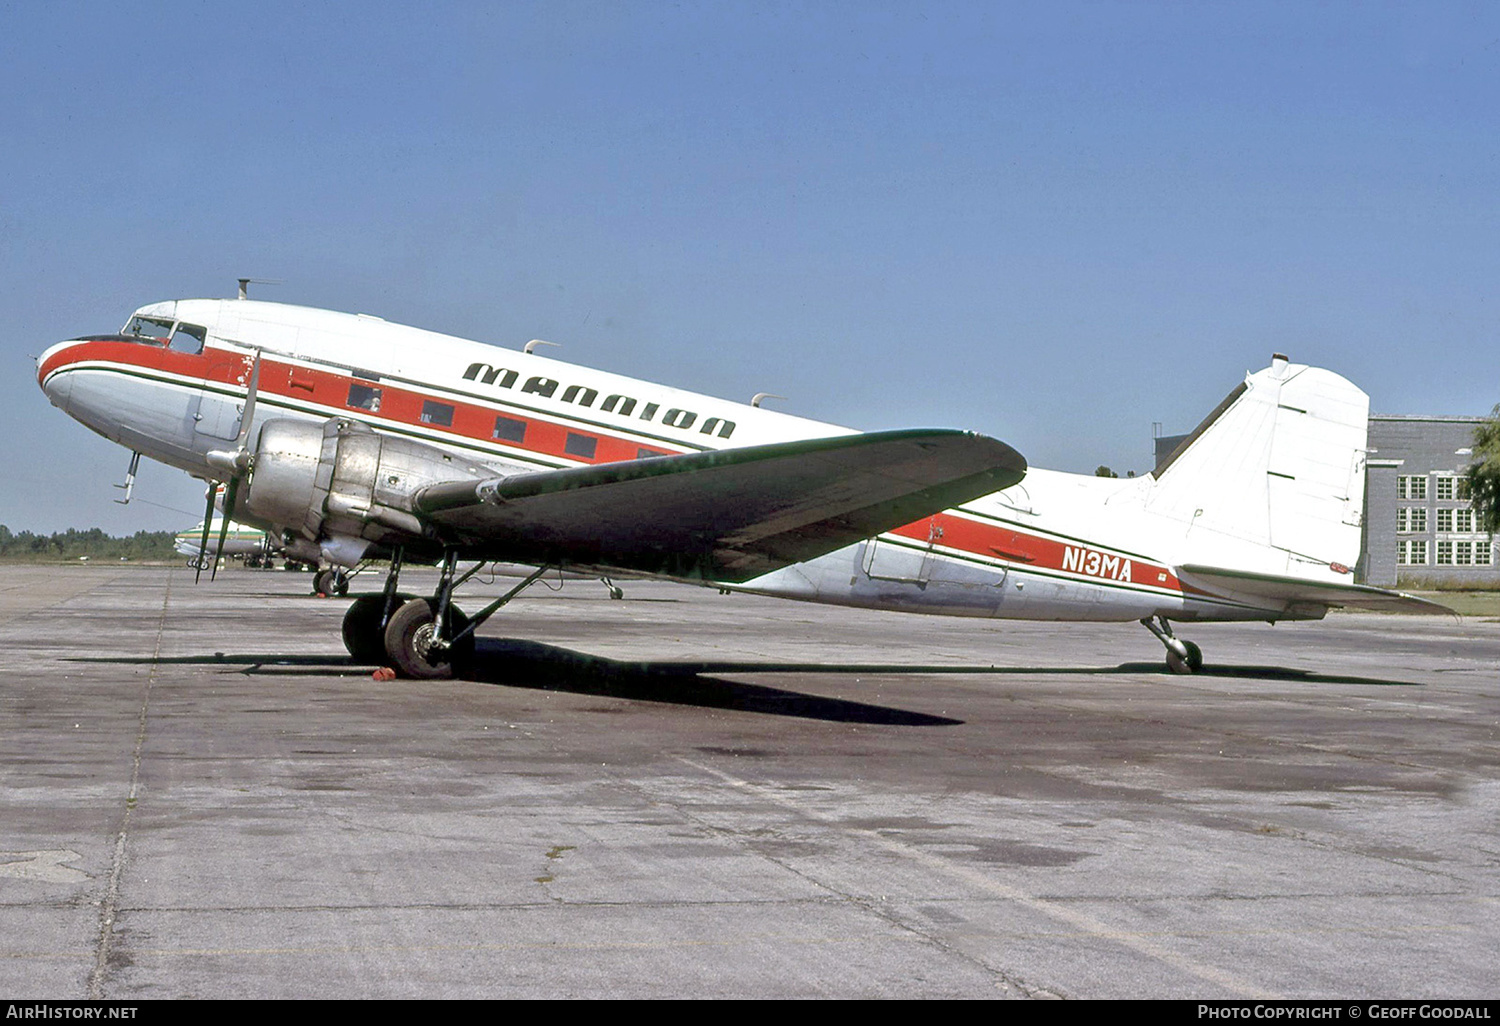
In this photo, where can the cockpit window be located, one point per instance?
(188, 338)
(149, 329)
(185, 338)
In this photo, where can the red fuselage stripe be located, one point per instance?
(990, 542)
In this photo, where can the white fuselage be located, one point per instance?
(1056, 546)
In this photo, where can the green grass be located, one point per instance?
(1466, 603)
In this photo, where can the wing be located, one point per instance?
(1239, 583)
(727, 515)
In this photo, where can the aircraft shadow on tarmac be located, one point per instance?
(521, 663)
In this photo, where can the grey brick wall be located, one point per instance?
(1426, 449)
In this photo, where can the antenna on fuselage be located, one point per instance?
(531, 346)
(245, 284)
(762, 396)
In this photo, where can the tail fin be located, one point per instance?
(1273, 480)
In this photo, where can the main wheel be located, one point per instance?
(363, 636)
(339, 584)
(323, 582)
(409, 641)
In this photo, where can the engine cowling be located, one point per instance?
(338, 487)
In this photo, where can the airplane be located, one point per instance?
(239, 540)
(349, 437)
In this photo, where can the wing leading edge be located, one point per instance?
(727, 515)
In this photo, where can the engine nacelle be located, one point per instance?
(333, 485)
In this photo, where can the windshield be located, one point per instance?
(185, 338)
(149, 329)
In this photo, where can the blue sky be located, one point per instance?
(1055, 223)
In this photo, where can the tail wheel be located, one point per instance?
(1191, 664)
(410, 641)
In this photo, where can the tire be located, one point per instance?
(1194, 657)
(409, 634)
(363, 636)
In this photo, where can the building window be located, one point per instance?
(1463, 521)
(364, 397)
(582, 446)
(1444, 488)
(1463, 553)
(1482, 553)
(1445, 553)
(440, 414)
(508, 429)
(1411, 553)
(1413, 487)
(1444, 518)
(1411, 519)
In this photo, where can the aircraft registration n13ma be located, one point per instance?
(352, 438)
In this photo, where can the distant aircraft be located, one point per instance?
(349, 437)
(255, 546)
(239, 540)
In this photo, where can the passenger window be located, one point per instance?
(364, 397)
(508, 429)
(188, 338)
(440, 414)
(645, 454)
(581, 446)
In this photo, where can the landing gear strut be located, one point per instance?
(427, 639)
(1182, 656)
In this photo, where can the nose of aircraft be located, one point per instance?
(57, 386)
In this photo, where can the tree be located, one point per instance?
(1103, 471)
(1483, 475)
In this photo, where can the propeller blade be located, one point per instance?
(248, 414)
(208, 519)
(234, 486)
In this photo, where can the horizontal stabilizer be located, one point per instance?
(729, 514)
(1232, 583)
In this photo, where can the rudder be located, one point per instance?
(1279, 467)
